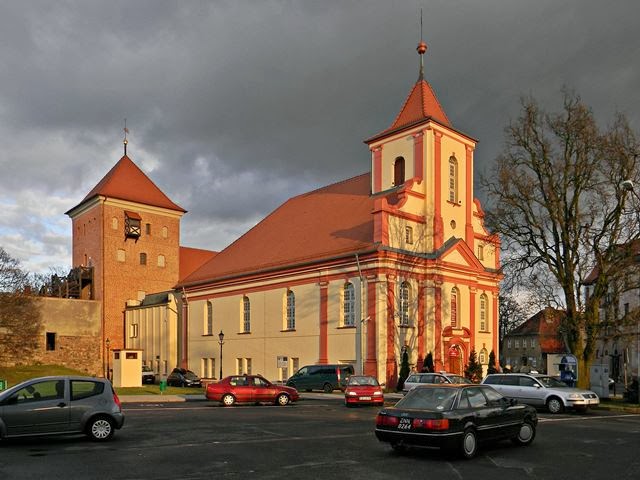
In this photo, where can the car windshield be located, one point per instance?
(147, 368)
(190, 375)
(364, 381)
(551, 382)
(429, 398)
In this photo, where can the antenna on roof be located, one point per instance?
(125, 141)
(422, 47)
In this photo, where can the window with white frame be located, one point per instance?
(243, 366)
(134, 330)
(349, 305)
(516, 343)
(453, 179)
(483, 312)
(509, 343)
(482, 357)
(291, 310)
(246, 315)
(208, 321)
(408, 235)
(405, 299)
(453, 307)
(207, 367)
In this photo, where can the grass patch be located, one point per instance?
(17, 374)
(155, 390)
(14, 375)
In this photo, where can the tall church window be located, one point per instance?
(398, 171)
(349, 305)
(453, 179)
(208, 328)
(405, 299)
(246, 315)
(291, 310)
(483, 312)
(454, 307)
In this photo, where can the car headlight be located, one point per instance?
(377, 393)
(575, 396)
(351, 393)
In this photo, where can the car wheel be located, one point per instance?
(327, 388)
(526, 434)
(228, 400)
(282, 399)
(100, 429)
(469, 445)
(554, 405)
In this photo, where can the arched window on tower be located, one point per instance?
(454, 307)
(398, 171)
(453, 179)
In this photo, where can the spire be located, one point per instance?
(125, 141)
(422, 48)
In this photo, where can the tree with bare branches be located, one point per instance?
(558, 202)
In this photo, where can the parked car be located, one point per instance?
(61, 405)
(455, 417)
(321, 377)
(416, 379)
(181, 377)
(363, 390)
(541, 391)
(147, 375)
(250, 388)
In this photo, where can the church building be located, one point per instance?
(393, 260)
(360, 271)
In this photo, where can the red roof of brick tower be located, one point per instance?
(125, 181)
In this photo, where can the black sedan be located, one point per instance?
(181, 377)
(455, 417)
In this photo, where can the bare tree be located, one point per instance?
(559, 205)
(19, 316)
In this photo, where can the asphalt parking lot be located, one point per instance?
(316, 438)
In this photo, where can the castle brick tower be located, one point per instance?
(128, 230)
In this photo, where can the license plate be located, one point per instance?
(405, 424)
(365, 398)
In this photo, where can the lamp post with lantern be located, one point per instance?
(221, 342)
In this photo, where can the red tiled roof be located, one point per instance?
(192, 259)
(125, 181)
(545, 324)
(331, 221)
(420, 105)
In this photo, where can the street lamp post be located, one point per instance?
(108, 344)
(221, 342)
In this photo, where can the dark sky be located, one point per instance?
(235, 106)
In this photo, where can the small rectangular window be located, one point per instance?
(133, 331)
(143, 258)
(147, 228)
(480, 252)
(51, 341)
(408, 234)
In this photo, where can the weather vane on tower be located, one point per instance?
(422, 48)
(125, 141)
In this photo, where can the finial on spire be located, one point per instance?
(422, 48)
(125, 141)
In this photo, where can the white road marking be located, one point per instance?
(584, 419)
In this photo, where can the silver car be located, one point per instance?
(416, 379)
(60, 405)
(541, 391)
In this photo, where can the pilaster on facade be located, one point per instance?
(469, 234)
(438, 224)
(391, 329)
(324, 323)
(371, 360)
(377, 169)
(437, 354)
(418, 155)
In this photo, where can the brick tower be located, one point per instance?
(128, 230)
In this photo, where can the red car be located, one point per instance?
(249, 389)
(363, 390)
